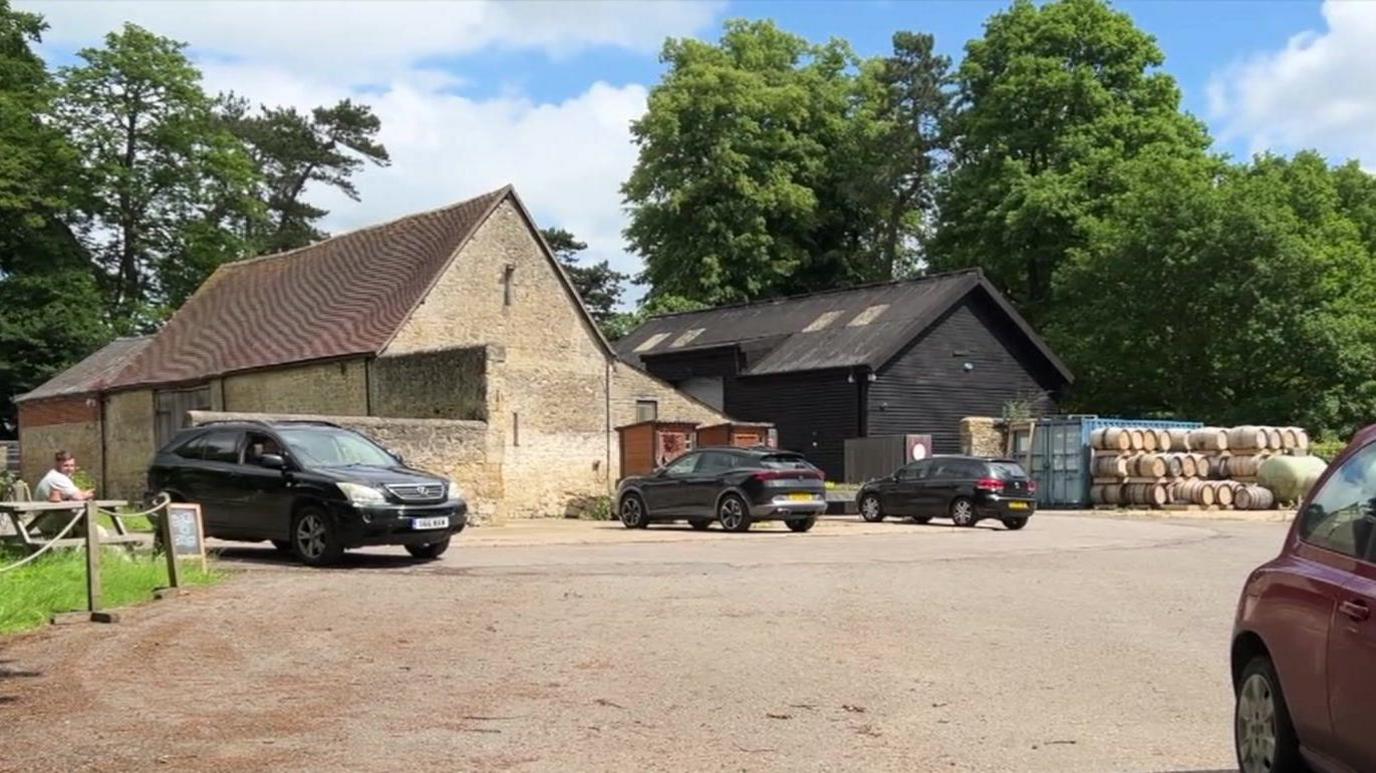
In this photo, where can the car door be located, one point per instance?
(1340, 522)
(264, 498)
(663, 491)
(698, 494)
(901, 497)
(938, 488)
(216, 484)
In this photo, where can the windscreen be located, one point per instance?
(785, 462)
(329, 447)
(1007, 470)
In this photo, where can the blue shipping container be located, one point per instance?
(1060, 455)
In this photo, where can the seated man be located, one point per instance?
(57, 486)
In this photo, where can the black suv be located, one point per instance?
(736, 486)
(312, 488)
(966, 489)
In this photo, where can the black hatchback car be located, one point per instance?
(314, 489)
(966, 489)
(736, 486)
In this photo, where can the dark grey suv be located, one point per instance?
(312, 488)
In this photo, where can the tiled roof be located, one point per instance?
(344, 296)
(865, 325)
(91, 374)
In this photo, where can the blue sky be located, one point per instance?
(479, 93)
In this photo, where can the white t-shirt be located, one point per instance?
(55, 481)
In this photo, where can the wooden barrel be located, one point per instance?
(1262, 498)
(1151, 494)
(1223, 494)
(1188, 467)
(1275, 440)
(1175, 465)
(1246, 437)
(1287, 438)
(1111, 439)
(1149, 465)
(1242, 498)
(1106, 466)
(1111, 494)
(1202, 465)
(1246, 466)
(1301, 439)
(1150, 441)
(1209, 439)
(1163, 440)
(1138, 440)
(1195, 492)
(1180, 439)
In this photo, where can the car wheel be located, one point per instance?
(963, 512)
(429, 549)
(1262, 732)
(282, 545)
(870, 509)
(1013, 524)
(632, 512)
(314, 539)
(921, 519)
(733, 514)
(700, 524)
(801, 524)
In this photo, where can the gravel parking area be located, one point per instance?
(1077, 644)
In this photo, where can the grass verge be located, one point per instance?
(56, 582)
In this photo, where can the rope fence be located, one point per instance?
(51, 543)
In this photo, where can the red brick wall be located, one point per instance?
(58, 410)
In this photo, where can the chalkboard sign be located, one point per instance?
(184, 526)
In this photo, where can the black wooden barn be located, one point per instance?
(912, 356)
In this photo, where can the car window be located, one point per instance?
(259, 444)
(1340, 516)
(192, 449)
(1007, 470)
(334, 447)
(684, 465)
(915, 471)
(785, 462)
(947, 468)
(221, 446)
(717, 461)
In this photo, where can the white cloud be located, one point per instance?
(1318, 91)
(566, 157)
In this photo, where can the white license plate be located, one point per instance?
(441, 522)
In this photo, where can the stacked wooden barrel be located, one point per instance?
(1204, 467)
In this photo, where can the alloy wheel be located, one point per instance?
(1256, 725)
(632, 513)
(732, 514)
(310, 536)
(963, 513)
(869, 509)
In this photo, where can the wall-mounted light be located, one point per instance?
(968, 366)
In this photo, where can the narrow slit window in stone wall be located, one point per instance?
(515, 429)
(506, 283)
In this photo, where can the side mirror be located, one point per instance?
(398, 457)
(272, 461)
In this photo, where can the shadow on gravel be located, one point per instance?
(269, 556)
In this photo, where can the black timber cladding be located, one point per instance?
(873, 360)
(928, 389)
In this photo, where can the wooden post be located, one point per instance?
(174, 578)
(92, 558)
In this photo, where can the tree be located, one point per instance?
(1052, 100)
(169, 190)
(738, 151)
(908, 99)
(597, 284)
(293, 151)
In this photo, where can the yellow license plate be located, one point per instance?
(1017, 505)
(800, 497)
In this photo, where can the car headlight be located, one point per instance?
(455, 493)
(359, 494)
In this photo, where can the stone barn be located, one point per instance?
(458, 324)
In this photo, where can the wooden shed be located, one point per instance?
(649, 445)
(740, 434)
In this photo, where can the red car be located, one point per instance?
(1304, 643)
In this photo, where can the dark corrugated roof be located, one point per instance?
(91, 374)
(864, 325)
(344, 296)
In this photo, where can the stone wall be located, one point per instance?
(630, 385)
(69, 424)
(439, 384)
(130, 442)
(332, 388)
(547, 375)
(451, 448)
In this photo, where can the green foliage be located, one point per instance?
(1328, 448)
(597, 509)
(621, 324)
(1054, 98)
(166, 185)
(291, 151)
(599, 286)
(56, 582)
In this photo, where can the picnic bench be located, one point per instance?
(21, 515)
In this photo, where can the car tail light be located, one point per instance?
(789, 475)
(989, 484)
(1031, 487)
